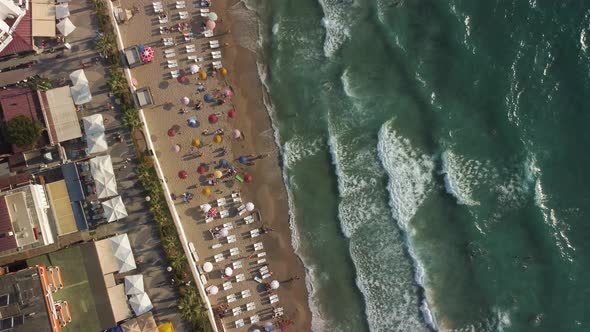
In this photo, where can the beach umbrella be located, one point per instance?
(212, 290)
(65, 26)
(217, 139)
(176, 148)
(212, 118)
(210, 24)
(218, 174)
(201, 169)
(171, 132)
(192, 122)
(250, 206)
(212, 16)
(248, 178)
(274, 284)
(206, 208)
(62, 11)
(228, 93)
(243, 159)
(185, 100)
(237, 133)
(268, 326)
(207, 267)
(148, 198)
(194, 69)
(206, 191)
(212, 212)
(231, 113)
(223, 71)
(256, 330)
(208, 98)
(224, 232)
(223, 163)
(203, 75)
(181, 79)
(183, 174)
(228, 271)
(196, 142)
(147, 55)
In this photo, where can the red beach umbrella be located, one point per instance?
(171, 132)
(228, 93)
(183, 174)
(248, 178)
(181, 79)
(147, 55)
(201, 169)
(212, 118)
(210, 25)
(231, 113)
(212, 212)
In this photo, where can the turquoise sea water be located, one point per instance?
(435, 153)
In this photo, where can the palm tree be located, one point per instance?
(104, 44)
(117, 82)
(131, 119)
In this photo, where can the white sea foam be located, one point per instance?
(583, 40)
(337, 21)
(460, 177)
(298, 148)
(349, 85)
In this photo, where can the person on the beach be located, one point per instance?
(199, 105)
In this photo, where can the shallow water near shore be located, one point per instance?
(434, 155)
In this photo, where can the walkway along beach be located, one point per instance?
(213, 145)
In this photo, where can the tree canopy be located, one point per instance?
(23, 131)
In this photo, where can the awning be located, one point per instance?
(94, 133)
(123, 253)
(78, 77)
(81, 94)
(61, 116)
(140, 303)
(62, 11)
(43, 19)
(114, 209)
(61, 207)
(134, 284)
(101, 168)
(66, 27)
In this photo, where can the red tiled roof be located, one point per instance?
(48, 119)
(6, 242)
(22, 37)
(15, 102)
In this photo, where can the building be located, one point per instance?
(26, 302)
(24, 220)
(15, 28)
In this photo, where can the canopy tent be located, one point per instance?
(114, 209)
(101, 169)
(140, 303)
(93, 124)
(134, 284)
(78, 77)
(94, 132)
(97, 144)
(207, 267)
(81, 94)
(66, 26)
(62, 11)
(123, 253)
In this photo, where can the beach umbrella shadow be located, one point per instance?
(229, 184)
(154, 138)
(168, 106)
(164, 85)
(203, 178)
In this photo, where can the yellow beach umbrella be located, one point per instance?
(223, 71)
(217, 139)
(206, 191)
(218, 174)
(196, 142)
(203, 75)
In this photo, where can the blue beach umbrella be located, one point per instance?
(223, 163)
(243, 159)
(208, 98)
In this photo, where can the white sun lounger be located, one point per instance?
(213, 42)
(241, 209)
(216, 56)
(254, 319)
(274, 299)
(170, 55)
(175, 73)
(217, 64)
(171, 51)
(223, 214)
(204, 10)
(262, 254)
(180, 4)
(234, 251)
(210, 219)
(237, 200)
(239, 323)
(267, 275)
(258, 280)
(258, 246)
(261, 261)
(227, 285)
(231, 239)
(248, 220)
(216, 246)
(234, 195)
(250, 306)
(245, 293)
(172, 64)
(263, 270)
(221, 201)
(216, 52)
(208, 33)
(231, 298)
(237, 265)
(163, 20)
(183, 15)
(228, 225)
(278, 311)
(240, 277)
(167, 41)
(192, 57)
(254, 232)
(219, 257)
(237, 311)
(214, 46)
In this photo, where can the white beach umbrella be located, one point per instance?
(207, 267)
(274, 284)
(66, 26)
(114, 209)
(228, 271)
(194, 69)
(206, 208)
(249, 206)
(212, 290)
(140, 303)
(134, 284)
(62, 11)
(224, 232)
(268, 326)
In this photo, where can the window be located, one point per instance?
(4, 300)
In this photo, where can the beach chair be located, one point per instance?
(237, 200)
(274, 299)
(214, 46)
(258, 246)
(245, 293)
(205, 10)
(192, 57)
(221, 201)
(254, 319)
(237, 311)
(172, 51)
(219, 257)
(258, 280)
(263, 269)
(237, 265)
(266, 275)
(262, 254)
(277, 312)
(231, 298)
(254, 233)
(158, 8)
(235, 195)
(210, 219)
(231, 239)
(239, 323)
(170, 55)
(248, 220)
(227, 285)
(163, 31)
(240, 277)
(172, 64)
(216, 55)
(183, 15)
(180, 4)
(250, 306)
(261, 261)
(175, 73)
(224, 214)
(241, 208)
(216, 246)
(217, 64)
(234, 251)
(208, 33)
(163, 20)
(213, 42)
(228, 225)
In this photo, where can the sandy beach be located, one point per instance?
(267, 189)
